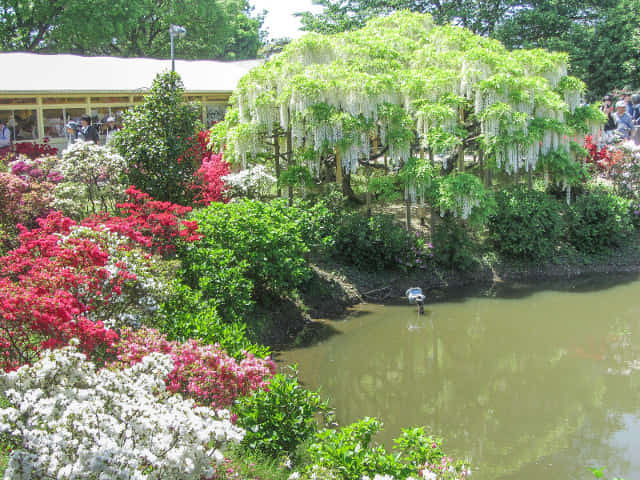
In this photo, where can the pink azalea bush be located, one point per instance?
(203, 372)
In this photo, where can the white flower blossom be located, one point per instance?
(72, 421)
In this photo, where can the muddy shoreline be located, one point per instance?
(335, 288)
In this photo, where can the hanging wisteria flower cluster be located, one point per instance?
(74, 421)
(399, 75)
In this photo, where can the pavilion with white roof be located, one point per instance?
(40, 93)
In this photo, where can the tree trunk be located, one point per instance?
(290, 163)
(347, 191)
(368, 200)
(276, 151)
(461, 151)
(338, 168)
(408, 205)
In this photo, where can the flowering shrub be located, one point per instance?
(39, 169)
(254, 183)
(23, 201)
(209, 186)
(32, 150)
(601, 159)
(625, 171)
(26, 194)
(138, 299)
(47, 286)
(153, 224)
(92, 175)
(205, 373)
(61, 277)
(72, 421)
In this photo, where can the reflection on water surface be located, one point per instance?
(529, 383)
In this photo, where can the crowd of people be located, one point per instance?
(88, 132)
(623, 117)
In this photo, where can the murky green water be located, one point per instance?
(528, 383)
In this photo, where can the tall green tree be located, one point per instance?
(223, 29)
(157, 141)
(600, 36)
(341, 15)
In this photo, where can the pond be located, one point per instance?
(526, 382)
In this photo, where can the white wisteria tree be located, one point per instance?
(402, 86)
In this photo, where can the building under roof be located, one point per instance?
(39, 93)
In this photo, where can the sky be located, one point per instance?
(279, 20)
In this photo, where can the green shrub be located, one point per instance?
(453, 246)
(527, 224)
(220, 278)
(261, 239)
(278, 419)
(185, 315)
(599, 220)
(375, 243)
(634, 214)
(349, 453)
(158, 141)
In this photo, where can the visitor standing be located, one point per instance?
(72, 133)
(629, 104)
(112, 128)
(5, 137)
(624, 123)
(87, 132)
(607, 109)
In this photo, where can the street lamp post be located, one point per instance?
(175, 31)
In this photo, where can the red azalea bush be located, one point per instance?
(53, 279)
(208, 185)
(46, 287)
(148, 222)
(602, 159)
(32, 150)
(204, 372)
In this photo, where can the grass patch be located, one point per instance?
(242, 465)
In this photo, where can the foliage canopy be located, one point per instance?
(222, 29)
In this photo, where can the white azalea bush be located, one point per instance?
(73, 421)
(136, 301)
(255, 183)
(92, 179)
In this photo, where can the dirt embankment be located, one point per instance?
(345, 286)
(334, 287)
